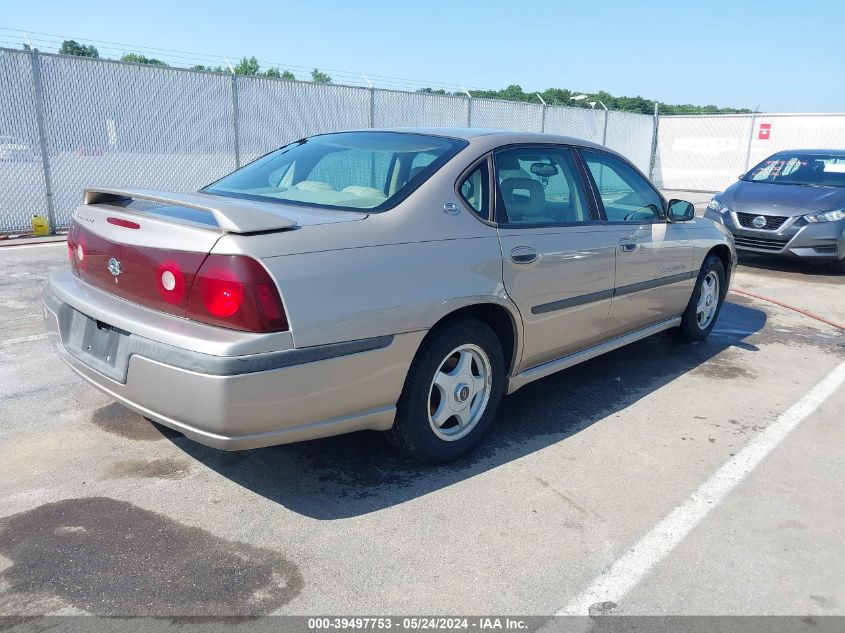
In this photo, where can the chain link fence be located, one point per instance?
(708, 153)
(22, 187)
(700, 152)
(71, 122)
(403, 109)
(272, 112)
(127, 125)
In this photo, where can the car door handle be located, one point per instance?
(523, 255)
(627, 245)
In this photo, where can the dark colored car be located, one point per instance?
(792, 204)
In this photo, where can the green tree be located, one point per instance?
(209, 69)
(142, 59)
(557, 96)
(248, 66)
(275, 73)
(563, 97)
(319, 77)
(72, 47)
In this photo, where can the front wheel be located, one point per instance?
(451, 393)
(706, 301)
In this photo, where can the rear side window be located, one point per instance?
(539, 186)
(349, 170)
(475, 190)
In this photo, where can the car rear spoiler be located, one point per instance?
(241, 216)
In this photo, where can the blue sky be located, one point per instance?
(780, 56)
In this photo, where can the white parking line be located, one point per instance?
(24, 339)
(624, 574)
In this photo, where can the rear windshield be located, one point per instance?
(348, 170)
(809, 170)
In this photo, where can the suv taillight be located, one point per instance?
(236, 291)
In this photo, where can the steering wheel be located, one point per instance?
(632, 215)
(646, 211)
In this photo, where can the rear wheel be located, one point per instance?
(706, 301)
(451, 394)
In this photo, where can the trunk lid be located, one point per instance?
(148, 246)
(225, 214)
(126, 255)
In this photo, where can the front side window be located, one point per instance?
(539, 186)
(474, 190)
(349, 170)
(625, 194)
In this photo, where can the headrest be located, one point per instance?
(523, 197)
(313, 185)
(364, 192)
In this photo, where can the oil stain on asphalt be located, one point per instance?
(142, 469)
(118, 420)
(109, 557)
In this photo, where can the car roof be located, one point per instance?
(504, 136)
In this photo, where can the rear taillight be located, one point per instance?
(154, 277)
(233, 291)
(72, 243)
(237, 292)
(170, 282)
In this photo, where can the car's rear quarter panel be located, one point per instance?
(398, 271)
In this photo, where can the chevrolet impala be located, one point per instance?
(394, 280)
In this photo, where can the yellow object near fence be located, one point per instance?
(40, 225)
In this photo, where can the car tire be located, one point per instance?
(706, 301)
(838, 266)
(451, 393)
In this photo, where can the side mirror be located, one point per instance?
(681, 211)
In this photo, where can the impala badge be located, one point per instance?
(114, 266)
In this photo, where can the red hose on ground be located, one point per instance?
(812, 315)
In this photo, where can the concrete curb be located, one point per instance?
(30, 241)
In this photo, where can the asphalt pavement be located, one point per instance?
(620, 486)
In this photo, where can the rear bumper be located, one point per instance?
(232, 403)
(796, 238)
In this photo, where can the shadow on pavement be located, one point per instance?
(772, 266)
(354, 474)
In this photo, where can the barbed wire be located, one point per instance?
(179, 58)
(16, 38)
